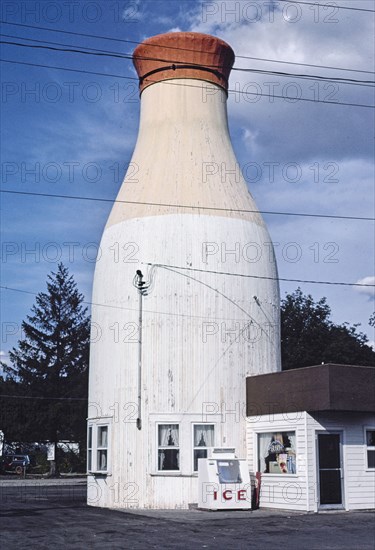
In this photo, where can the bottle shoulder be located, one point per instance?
(213, 190)
(183, 159)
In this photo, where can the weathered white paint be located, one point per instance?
(197, 344)
(300, 491)
(358, 480)
(287, 491)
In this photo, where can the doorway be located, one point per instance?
(330, 471)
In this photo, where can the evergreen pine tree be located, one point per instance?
(50, 367)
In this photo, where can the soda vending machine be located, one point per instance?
(224, 481)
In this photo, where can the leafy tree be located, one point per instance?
(49, 368)
(309, 337)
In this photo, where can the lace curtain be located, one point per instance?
(204, 435)
(168, 435)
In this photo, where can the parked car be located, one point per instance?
(15, 463)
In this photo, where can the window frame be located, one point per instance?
(101, 448)
(196, 448)
(368, 448)
(90, 430)
(162, 447)
(277, 430)
(95, 448)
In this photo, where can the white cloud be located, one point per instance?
(174, 29)
(296, 130)
(370, 290)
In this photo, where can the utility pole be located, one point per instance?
(142, 288)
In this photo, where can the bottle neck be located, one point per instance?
(186, 102)
(184, 156)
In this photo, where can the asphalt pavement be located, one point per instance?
(47, 514)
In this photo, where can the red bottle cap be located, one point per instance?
(183, 55)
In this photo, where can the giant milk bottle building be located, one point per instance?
(191, 227)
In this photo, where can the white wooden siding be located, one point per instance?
(358, 481)
(184, 369)
(286, 491)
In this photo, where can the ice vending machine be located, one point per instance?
(224, 481)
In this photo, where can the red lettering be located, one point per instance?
(225, 495)
(241, 495)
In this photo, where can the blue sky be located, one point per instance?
(73, 134)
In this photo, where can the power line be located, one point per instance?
(128, 56)
(182, 49)
(192, 207)
(122, 308)
(258, 276)
(43, 398)
(332, 5)
(217, 291)
(242, 275)
(90, 51)
(303, 64)
(170, 83)
(82, 71)
(339, 80)
(70, 48)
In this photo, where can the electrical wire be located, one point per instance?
(122, 308)
(170, 83)
(252, 319)
(183, 49)
(43, 398)
(195, 269)
(328, 5)
(192, 207)
(338, 80)
(106, 53)
(259, 276)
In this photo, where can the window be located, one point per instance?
(203, 439)
(97, 448)
(168, 447)
(89, 449)
(229, 471)
(277, 452)
(102, 448)
(370, 444)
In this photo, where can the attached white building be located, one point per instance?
(311, 432)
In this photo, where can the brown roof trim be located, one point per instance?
(329, 387)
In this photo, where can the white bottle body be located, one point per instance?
(203, 330)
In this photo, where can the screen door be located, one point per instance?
(330, 469)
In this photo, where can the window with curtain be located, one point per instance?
(168, 447)
(204, 438)
(102, 449)
(277, 452)
(370, 443)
